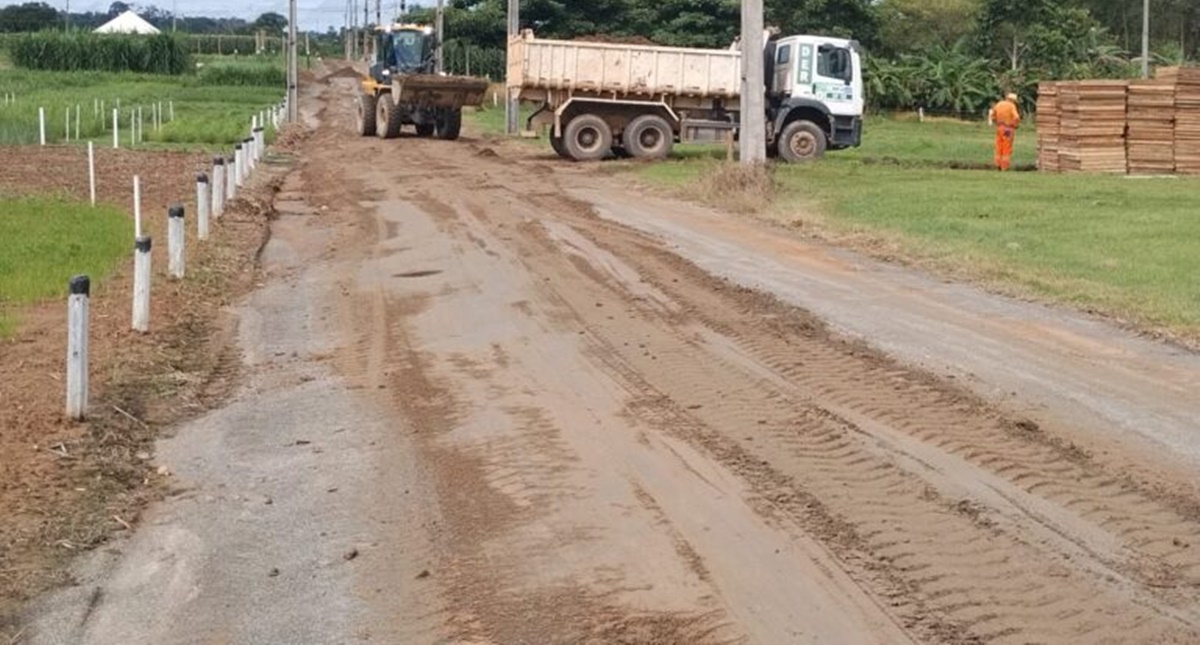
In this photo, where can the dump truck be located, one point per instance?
(404, 87)
(597, 99)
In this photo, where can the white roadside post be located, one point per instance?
(132, 128)
(176, 236)
(78, 109)
(141, 265)
(218, 187)
(116, 129)
(77, 347)
(231, 178)
(92, 171)
(251, 151)
(247, 158)
(67, 127)
(171, 106)
(239, 163)
(42, 125)
(202, 204)
(141, 283)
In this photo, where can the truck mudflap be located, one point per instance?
(847, 132)
(436, 91)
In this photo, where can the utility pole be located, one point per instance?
(511, 107)
(378, 13)
(753, 128)
(293, 115)
(1145, 38)
(366, 33)
(439, 42)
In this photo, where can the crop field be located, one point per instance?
(1122, 246)
(40, 237)
(210, 107)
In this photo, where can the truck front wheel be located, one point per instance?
(801, 141)
(587, 138)
(649, 137)
(365, 120)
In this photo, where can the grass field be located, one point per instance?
(212, 107)
(44, 241)
(1125, 246)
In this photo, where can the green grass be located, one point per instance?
(1124, 246)
(45, 241)
(207, 111)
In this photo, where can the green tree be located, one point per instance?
(30, 16)
(911, 26)
(271, 22)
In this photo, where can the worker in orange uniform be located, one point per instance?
(1007, 119)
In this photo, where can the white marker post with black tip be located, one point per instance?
(202, 203)
(176, 236)
(231, 177)
(141, 265)
(79, 289)
(218, 187)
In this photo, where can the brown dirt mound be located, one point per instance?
(616, 40)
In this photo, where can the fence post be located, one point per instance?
(42, 125)
(231, 177)
(239, 163)
(260, 142)
(77, 111)
(175, 241)
(247, 157)
(171, 105)
(92, 171)
(116, 129)
(141, 283)
(218, 187)
(77, 346)
(67, 127)
(202, 206)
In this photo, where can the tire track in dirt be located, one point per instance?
(969, 525)
(823, 376)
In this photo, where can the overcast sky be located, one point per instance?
(312, 14)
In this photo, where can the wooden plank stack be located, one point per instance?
(1092, 126)
(1187, 116)
(1150, 137)
(1048, 127)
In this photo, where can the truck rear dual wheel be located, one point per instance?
(365, 118)
(587, 138)
(648, 137)
(802, 141)
(387, 118)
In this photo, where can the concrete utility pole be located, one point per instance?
(511, 107)
(439, 42)
(1145, 38)
(293, 74)
(753, 132)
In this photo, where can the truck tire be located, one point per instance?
(425, 129)
(802, 141)
(365, 119)
(649, 137)
(387, 118)
(556, 143)
(448, 124)
(587, 138)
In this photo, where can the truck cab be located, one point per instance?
(816, 80)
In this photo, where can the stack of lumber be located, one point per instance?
(1092, 126)
(1187, 117)
(1048, 127)
(1150, 137)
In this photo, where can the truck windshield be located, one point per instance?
(834, 62)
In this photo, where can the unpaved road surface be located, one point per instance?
(478, 408)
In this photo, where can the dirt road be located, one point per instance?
(476, 410)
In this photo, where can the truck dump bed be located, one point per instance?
(623, 70)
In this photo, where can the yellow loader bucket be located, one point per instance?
(432, 90)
